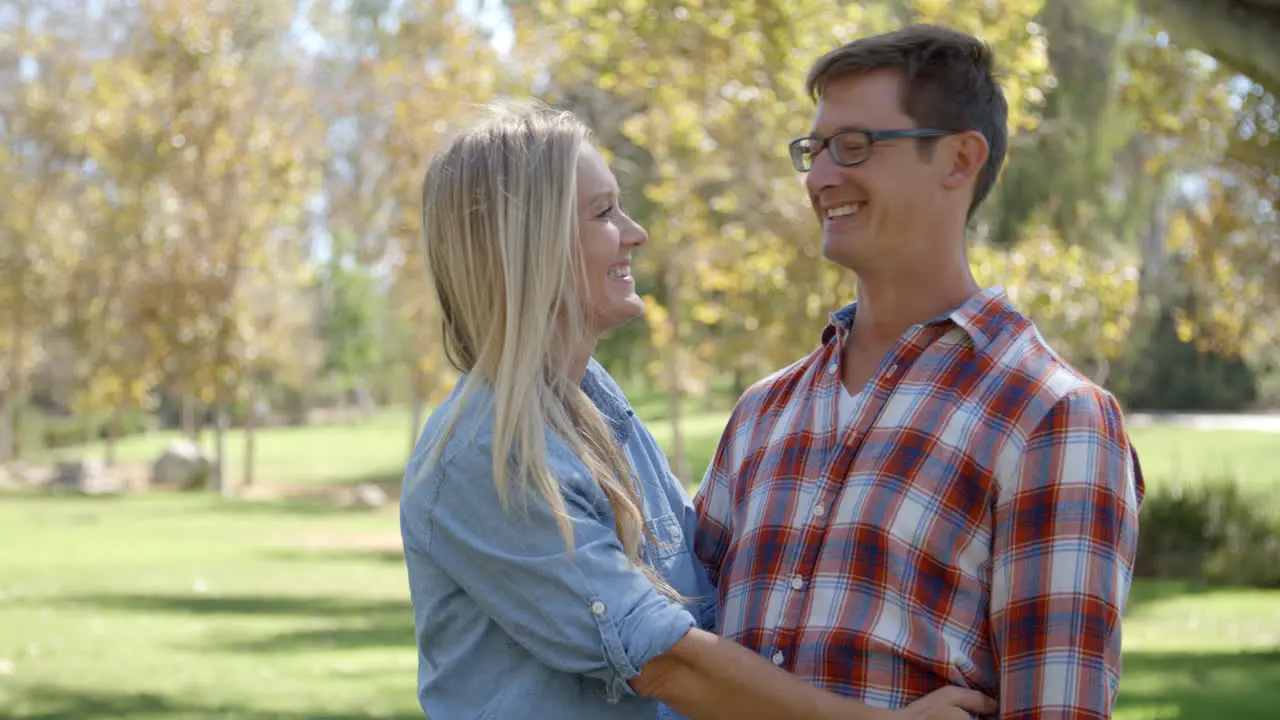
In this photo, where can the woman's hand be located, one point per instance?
(948, 703)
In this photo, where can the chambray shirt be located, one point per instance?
(507, 625)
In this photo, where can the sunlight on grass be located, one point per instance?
(376, 450)
(367, 451)
(188, 607)
(1201, 654)
(173, 607)
(176, 607)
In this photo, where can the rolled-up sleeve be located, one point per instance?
(589, 613)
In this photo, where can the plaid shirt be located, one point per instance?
(974, 521)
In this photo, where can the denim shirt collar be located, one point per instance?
(602, 391)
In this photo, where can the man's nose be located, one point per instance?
(825, 173)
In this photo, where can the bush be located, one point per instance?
(1213, 532)
(51, 432)
(1269, 390)
(1164, 374)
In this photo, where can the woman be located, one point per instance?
(547, 544)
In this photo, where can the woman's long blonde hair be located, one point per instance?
(500, 222)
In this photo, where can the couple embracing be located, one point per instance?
(929, 515)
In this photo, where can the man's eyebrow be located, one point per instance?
(813, 132)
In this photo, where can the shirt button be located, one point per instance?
(797, 583)
(819, 510)
(832, 367)
(597, 608)
(892, 369)
(777, 658)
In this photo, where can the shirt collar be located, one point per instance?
(981, 317)
(608, 397)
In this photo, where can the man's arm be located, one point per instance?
(1065, 536)
(714, 502)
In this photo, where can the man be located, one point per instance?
(932, 496)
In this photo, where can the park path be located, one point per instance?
(1257, 422)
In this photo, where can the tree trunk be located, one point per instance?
(220, 484)
(8, 409)
(113, 433)
(677, 457)
(10, 444)
(188, 416)
(8, 426)
(250, 438)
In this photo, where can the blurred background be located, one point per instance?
(217, 344)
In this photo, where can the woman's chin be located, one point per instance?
(619, 313)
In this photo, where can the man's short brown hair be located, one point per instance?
(948, 84)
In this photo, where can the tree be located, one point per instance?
(1240, 33)
(696, 103)
(239, 154)
(38, 69)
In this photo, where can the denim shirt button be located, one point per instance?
(597, 608)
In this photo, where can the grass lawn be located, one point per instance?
(167, 607)
(189, 607)
(179, 607)
(376, 450)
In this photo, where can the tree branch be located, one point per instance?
(1239, 33)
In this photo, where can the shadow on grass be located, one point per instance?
(315, 506)
(385, 630)
(1149, 591)
(273, 605)
(334, 623)
(1201, 686)
(393, 556)
(50, 702)
(314, 498)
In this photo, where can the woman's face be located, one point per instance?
(606, 237)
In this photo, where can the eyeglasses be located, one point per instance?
(850, 147)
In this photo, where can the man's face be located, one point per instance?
(875, 215)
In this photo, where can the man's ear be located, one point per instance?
(966, 153)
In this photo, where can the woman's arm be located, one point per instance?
(590, 613)
(709, 678)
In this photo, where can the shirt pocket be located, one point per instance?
(667, 538)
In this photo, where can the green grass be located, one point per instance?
(376, 450)
(189, 607)
(180, 607)
(1200, 654)
(173, 607)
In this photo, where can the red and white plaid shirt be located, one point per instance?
(971, 520)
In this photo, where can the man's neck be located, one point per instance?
(887, 306)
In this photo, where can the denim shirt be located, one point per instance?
(509, 626)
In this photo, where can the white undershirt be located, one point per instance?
(848, 405)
